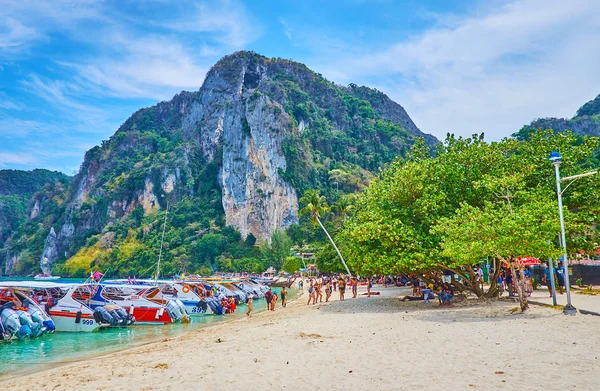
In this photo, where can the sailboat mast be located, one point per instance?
(162, 239)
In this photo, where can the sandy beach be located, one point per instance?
(372, 343)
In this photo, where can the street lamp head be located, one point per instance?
(555, 157)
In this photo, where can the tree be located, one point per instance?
(316, 206)
(507, 187)
(280, 248)
(291, 265)
(344, 206)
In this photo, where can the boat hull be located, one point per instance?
(148, 315)
(65, 321)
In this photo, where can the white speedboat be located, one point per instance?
(46, 277)
(20, 316)
(74, 307)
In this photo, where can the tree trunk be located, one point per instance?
(334, 246)
(520, 284)
(493, 279)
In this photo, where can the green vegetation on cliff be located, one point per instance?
(334, 139)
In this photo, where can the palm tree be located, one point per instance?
(316, 206)
(344, 205)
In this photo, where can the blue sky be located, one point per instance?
(72, 71)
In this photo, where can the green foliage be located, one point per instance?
(471, 201)
(590, 108)
(327, 260)
(291, 265)
(279, 249)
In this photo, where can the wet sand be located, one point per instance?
(365, 344)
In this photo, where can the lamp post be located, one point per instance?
(555, 158)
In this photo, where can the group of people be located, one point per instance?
(328, 285)
(421, 291)
(271, 298)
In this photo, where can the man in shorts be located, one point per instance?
(560, 276)
(342, 287)
(546, 279)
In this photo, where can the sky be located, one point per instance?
(72, 71)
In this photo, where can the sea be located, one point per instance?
(30, 355)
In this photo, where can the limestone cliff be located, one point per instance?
(231, 157)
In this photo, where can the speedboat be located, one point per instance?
(145, 303)
(45, 277)
(21, 317)
(196, 296)
(72, 307)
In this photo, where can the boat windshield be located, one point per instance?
(84, 293)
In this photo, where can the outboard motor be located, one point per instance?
(215, 305)
(101, 315)
(119, 319)
(202, 306)
(12, 324)
(35, 327)
(185, 317)
(126, 319)
(173, 310)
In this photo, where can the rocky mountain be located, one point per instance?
(227, 163)
(16, 189)
(585, 123)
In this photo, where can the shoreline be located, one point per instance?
(365, 343)
(42, 367)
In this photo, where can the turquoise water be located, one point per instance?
(32, 354)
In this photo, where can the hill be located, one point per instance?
(16, 189)
(228, 162)
(586, 122)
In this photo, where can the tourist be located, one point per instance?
(354, 285)
(311, 293)
(334, 284)
(546, 278)
(269, 298)
(273, 301)
(479, 276)
(369, 287)
(446, 294)
(249, 306)
(97, 276)
(508, 278)
(232, 304)
(283, 294)
(560, 276)
(327, 291)
(318, 293)
(342, 287)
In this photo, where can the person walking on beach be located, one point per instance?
(311, 293)
(368, 287)
(269, 298)
(273, 301)
(546, 278)
(249, 306)
(334, 284)
(318, 293)
(327, 291)
(354, 285)
(283, 297)
(560, 276)
(342, 287)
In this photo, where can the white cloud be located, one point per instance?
(8, 158)
(491, 73)
(147, 67)
(287, 30)
(227, 19)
